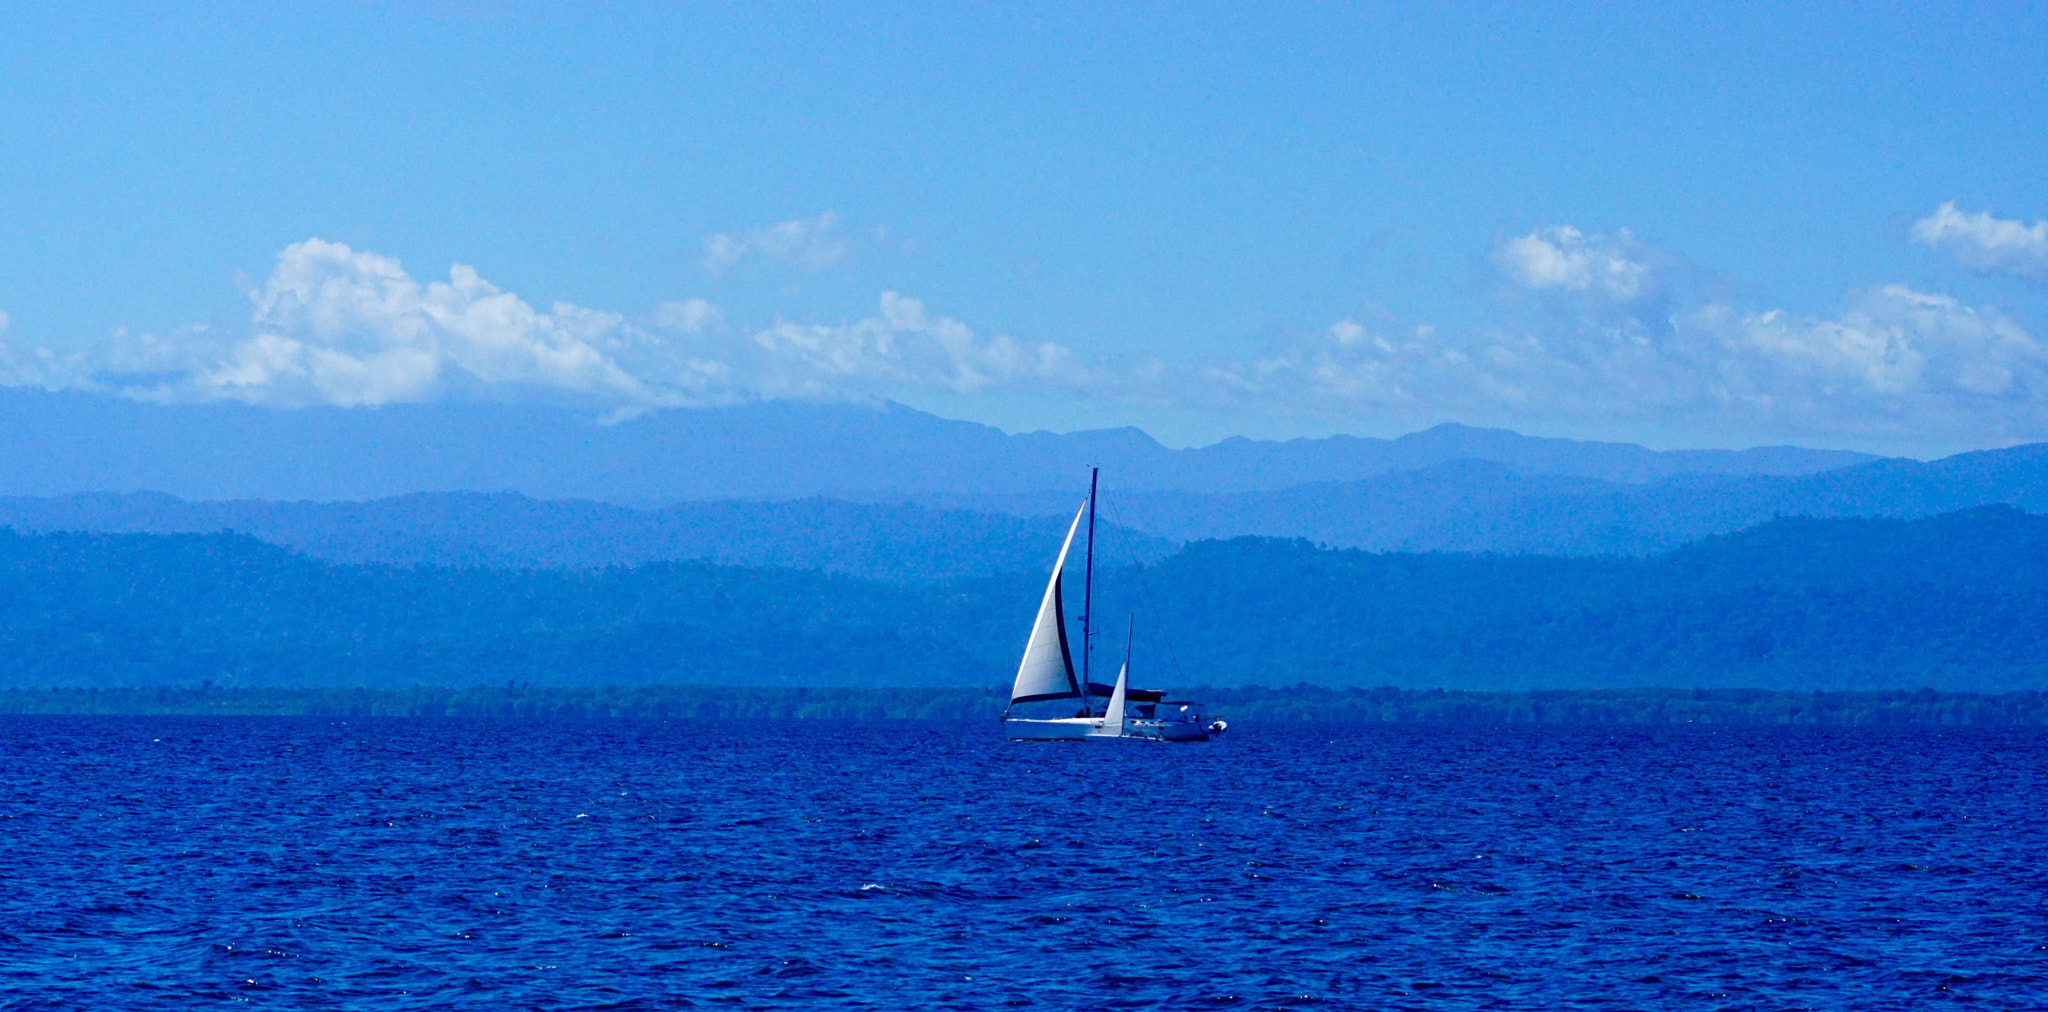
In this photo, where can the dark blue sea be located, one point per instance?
(417, 864)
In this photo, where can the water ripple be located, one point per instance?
(402, 864)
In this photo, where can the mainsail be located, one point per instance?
(1047, 671)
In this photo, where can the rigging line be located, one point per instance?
(1145, 586)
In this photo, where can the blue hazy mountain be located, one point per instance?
(66, 442)
(900, 543)
(1482, 506)
(1465, 505)
(887, 492)
(1954, 602)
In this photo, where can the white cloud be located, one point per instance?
(1986, 244)
(331, 325)
(1560, 279)
(809, 244)
(1615, 339)
(1897, 362)
(900, 346)
(1600, 329)
(335, 326)
(1562, 257)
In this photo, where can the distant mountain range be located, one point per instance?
(1482, 506)
(67, 442)
(1462, 506)
(834, 544)
(892, 542)
(885, 492)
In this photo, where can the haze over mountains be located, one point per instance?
(68, 442)
(875, 545)
(898, 543)
(913, 498)
(1483, 506)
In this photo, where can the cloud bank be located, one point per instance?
(1603, 329)
(1986, 244)
(336, 326)
(1597, 331)
(1896, 363)
(810, 244)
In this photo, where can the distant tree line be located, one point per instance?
(1253, 705)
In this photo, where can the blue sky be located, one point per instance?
(1686, 226)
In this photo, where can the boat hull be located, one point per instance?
(1059, 729)
(1090, 729)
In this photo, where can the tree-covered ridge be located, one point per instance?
(1954, 602)
(139, 609)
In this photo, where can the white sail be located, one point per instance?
(1047, 670)
(1113, 716)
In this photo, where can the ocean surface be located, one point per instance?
(417, 864)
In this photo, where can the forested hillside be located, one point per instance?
(141, 609)
(1956, 602)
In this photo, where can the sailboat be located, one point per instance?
(1046, 680)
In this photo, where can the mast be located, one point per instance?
(1088, 593)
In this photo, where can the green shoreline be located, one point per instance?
(1639, 706)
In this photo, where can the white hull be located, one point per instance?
(1059, 729)
(1091, 729)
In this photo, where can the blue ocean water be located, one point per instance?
(418, 864)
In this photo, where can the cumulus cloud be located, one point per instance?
(1573, 279)
(332, 325)
(1986, 244)
(809, 244)
(1614, 334)
(901, 346)
(335, 326)
(1598, 329)
(1562, 258)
